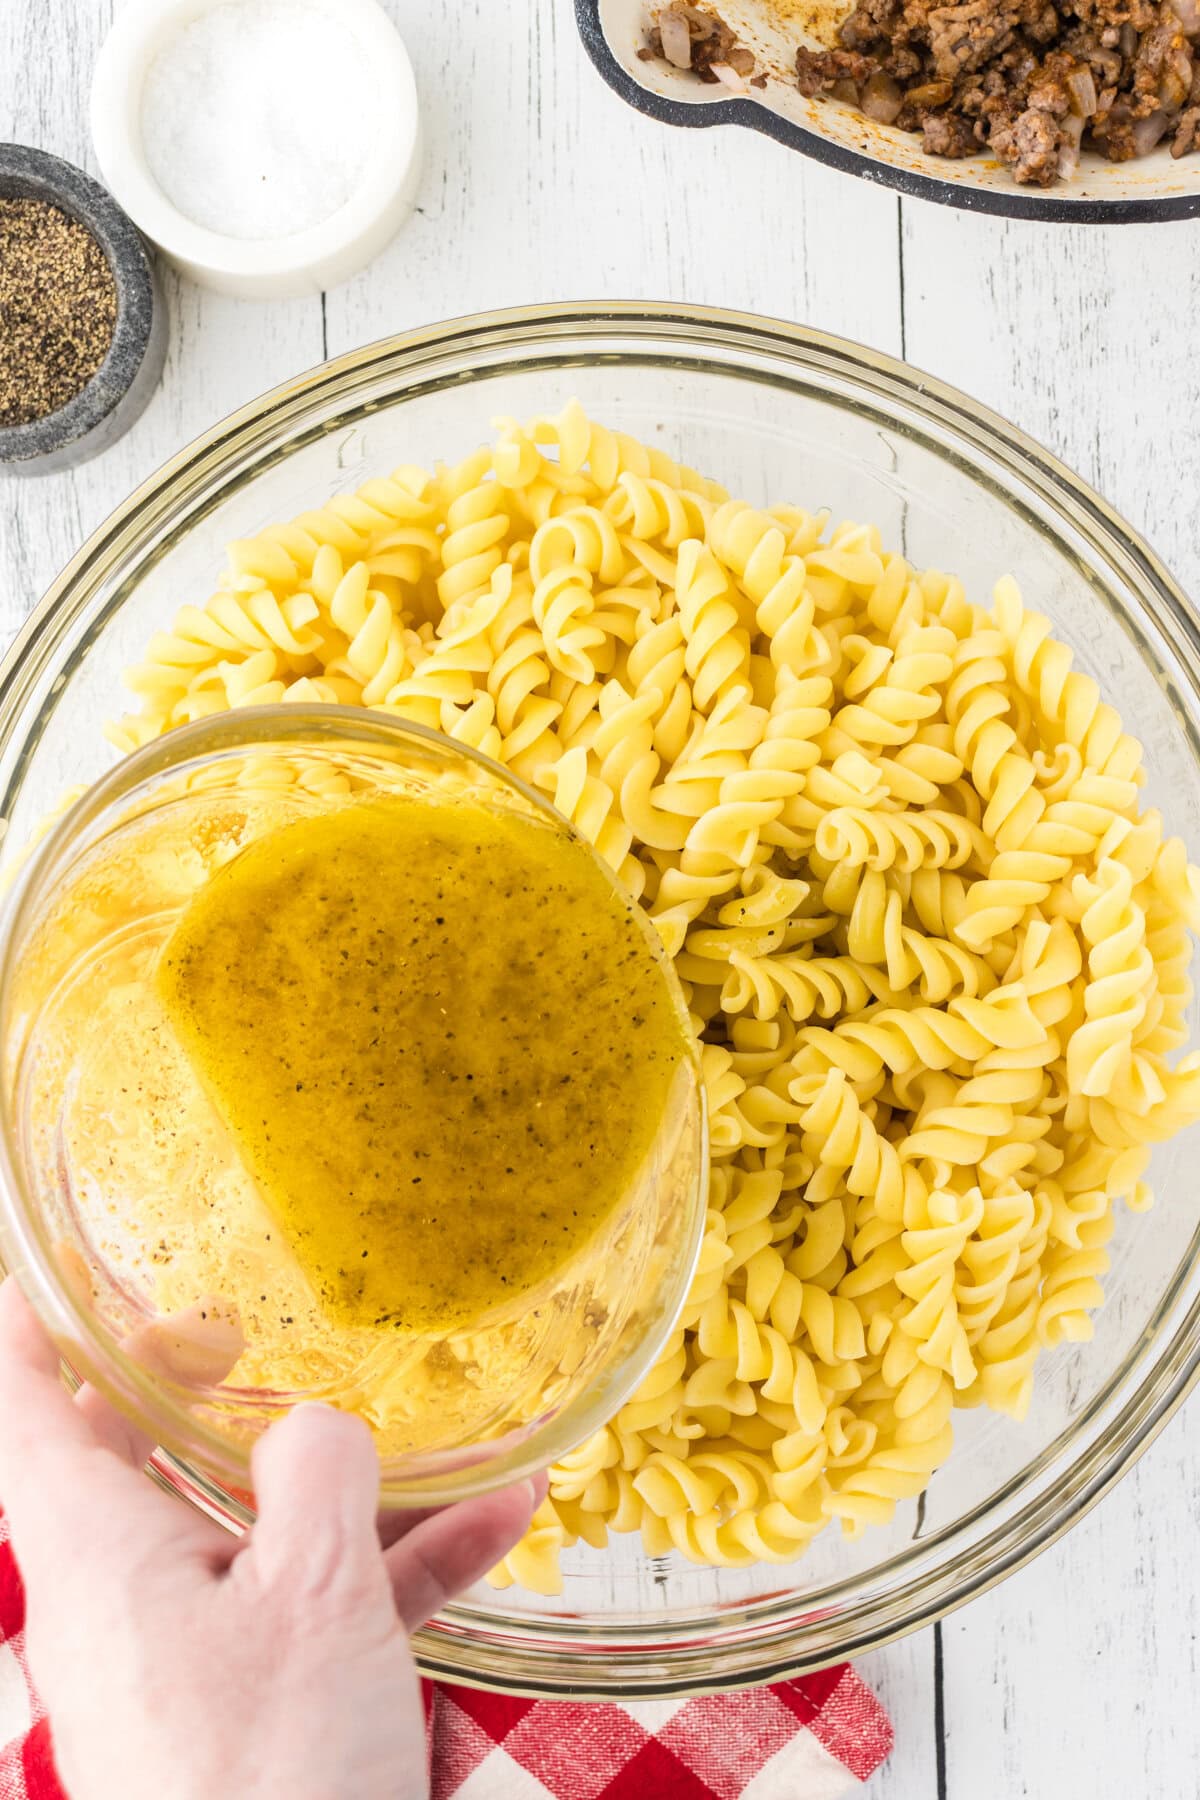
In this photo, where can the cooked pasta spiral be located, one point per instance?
(936, 954)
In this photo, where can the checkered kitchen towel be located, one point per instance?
(802, 1740)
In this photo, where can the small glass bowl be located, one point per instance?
(774, 412)
(130, 1217)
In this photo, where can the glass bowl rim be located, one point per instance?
(757, 1643)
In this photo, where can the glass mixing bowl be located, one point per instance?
(772, 411)
(131, 1215)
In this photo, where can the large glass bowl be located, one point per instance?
(773, 412)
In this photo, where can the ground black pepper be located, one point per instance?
(58, 309)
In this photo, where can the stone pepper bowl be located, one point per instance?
(118, 392)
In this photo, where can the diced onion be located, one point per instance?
(676, 39)
(1146, 133)
(1176, 83)
(1068, 150)
(882, 98)
(1081, 86)
(730, 76)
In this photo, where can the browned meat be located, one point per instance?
(1113, 132)
(1187, 134)
(1047, 94)
(819, 71)
(1040, 22)
(1162, 69)
(1029, 80)
(1139, 15)
(870, 20)
(902, 63)
(813, 75)
(963, 38)
(948, 134)
(1031, 144)
(1103, 60)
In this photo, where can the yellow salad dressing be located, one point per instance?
(439, 1039)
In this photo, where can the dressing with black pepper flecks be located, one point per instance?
(440, 1040)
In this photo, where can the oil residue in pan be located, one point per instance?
(816, 19)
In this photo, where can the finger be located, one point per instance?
(113, 1429)
(144, 1345)
(106, 1426)
(316, 1488)
(446, 1553)
(59, 1485)
(392, 1526)
(194, 1347)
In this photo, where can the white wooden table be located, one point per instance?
(1079, 1676)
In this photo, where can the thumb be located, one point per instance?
(316, 1487)
(447, 1552)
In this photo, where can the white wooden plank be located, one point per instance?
(222, 352)
(1083, 336)
(1079, 1675)
(903, 1677)
(540, 184)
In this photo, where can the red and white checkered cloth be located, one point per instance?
(801, 1740)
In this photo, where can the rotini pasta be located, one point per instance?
(936, 955)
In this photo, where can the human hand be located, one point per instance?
(175, 1659)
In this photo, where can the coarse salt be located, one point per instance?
(256, 118)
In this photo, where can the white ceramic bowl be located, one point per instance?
(307, 261)
(1101, 192)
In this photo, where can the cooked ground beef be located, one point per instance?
(1028, 80)
(948, 134)
(829, 67)
(963, 39)
(1187, 133)
(1032, 144)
